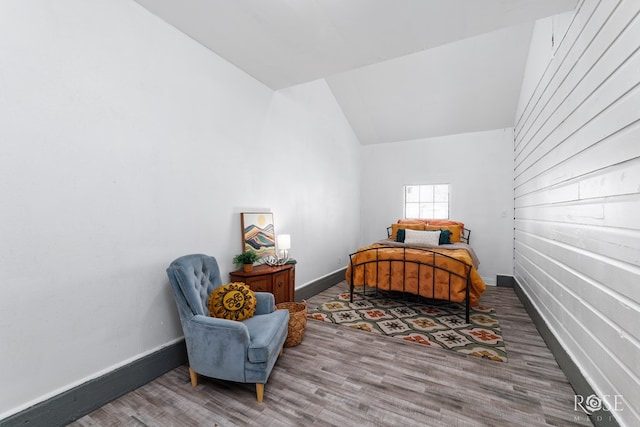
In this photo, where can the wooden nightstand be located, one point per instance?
(280, 281)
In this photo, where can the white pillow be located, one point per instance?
(419, 237)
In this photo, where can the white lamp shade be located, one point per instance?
(284, 242)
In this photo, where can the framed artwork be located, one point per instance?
(258, 233)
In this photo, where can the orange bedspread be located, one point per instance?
(414, 278)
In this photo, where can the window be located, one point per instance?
(426, 201)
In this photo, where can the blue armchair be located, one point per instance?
(225, 349)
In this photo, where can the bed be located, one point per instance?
(429, 258)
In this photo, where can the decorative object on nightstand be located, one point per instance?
(258, 233)
(246, 260)
(283, 244)
(279, 280)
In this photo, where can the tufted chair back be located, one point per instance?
(194, 278)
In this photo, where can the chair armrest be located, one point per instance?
(217, 348)
(222, 328)
(265, 302)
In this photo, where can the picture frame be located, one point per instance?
(258, 233)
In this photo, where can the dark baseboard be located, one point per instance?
(320, 285)
(505, 281)
(68, 406)
(571, 371)
(85, 398)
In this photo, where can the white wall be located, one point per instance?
(577, 197)
(547, 36)
(479, 168)
(315, 183)
(123, 145)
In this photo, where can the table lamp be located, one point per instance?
(284, 244)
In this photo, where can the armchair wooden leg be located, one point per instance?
(260, 391)
(194, 377)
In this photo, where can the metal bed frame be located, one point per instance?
(429, 260)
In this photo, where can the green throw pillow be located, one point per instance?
(445, 237)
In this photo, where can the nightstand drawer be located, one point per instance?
(280, 280)
(259, 284)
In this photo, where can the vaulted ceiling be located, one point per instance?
(400, 69)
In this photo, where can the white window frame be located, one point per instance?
(424, 205)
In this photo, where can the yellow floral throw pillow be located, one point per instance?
(233, 301)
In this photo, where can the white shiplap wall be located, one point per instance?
(577, 198)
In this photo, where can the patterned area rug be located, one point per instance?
(428, 322)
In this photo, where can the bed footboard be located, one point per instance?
(417, 271)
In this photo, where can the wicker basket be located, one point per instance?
(297, 321)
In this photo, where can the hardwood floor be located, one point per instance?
(339, 376)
